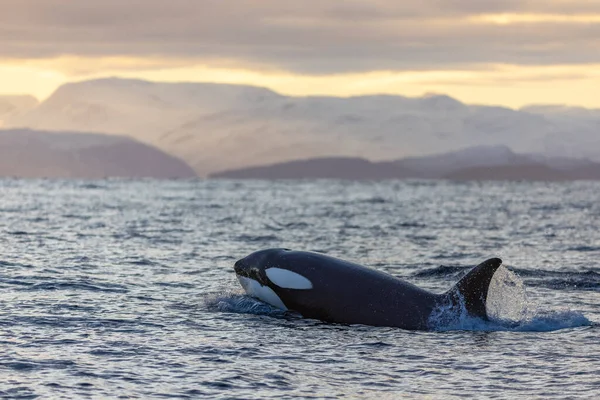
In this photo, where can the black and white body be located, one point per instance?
(333, 290)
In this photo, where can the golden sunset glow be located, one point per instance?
(507, 85)
(507, 19)
(39, 82)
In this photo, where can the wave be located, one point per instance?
(257, 238)
(374, 200)
(443, 271)
(560, 280)
(541, 321)
(584, 248)
(77, 285)
(582, 280)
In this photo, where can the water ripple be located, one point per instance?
(125, 288)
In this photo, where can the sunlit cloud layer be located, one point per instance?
(511, 19)
(437, 44)
(309, 36)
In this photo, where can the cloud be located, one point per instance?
(309, 36)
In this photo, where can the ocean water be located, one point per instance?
(124, 289)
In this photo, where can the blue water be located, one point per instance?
(126, 289)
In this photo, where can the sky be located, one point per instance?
(511, 53)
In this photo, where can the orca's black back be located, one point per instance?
(345, 292)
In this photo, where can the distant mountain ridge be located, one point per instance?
(25, 153)
(216, 127)
(322, 168)
(478, 163)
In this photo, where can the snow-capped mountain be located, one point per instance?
(214, 127)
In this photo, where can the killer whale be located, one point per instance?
(333, 290)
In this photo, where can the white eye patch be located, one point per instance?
(287, 279)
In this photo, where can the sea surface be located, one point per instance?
(125, 289)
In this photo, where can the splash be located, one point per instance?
(552, 320)
(507, 299)
(508, 308)
(242, 304)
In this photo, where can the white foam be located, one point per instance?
(255, 289)
(508, 308)
(288, 279)
(507, 298)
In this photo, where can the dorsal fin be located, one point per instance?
(472, 289)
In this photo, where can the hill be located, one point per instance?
(321, 168)
(478, 163)
(36, 154)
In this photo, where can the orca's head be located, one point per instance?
(265, 274)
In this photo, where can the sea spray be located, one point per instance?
(507, 299)
(241, 304)
(509, 309)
